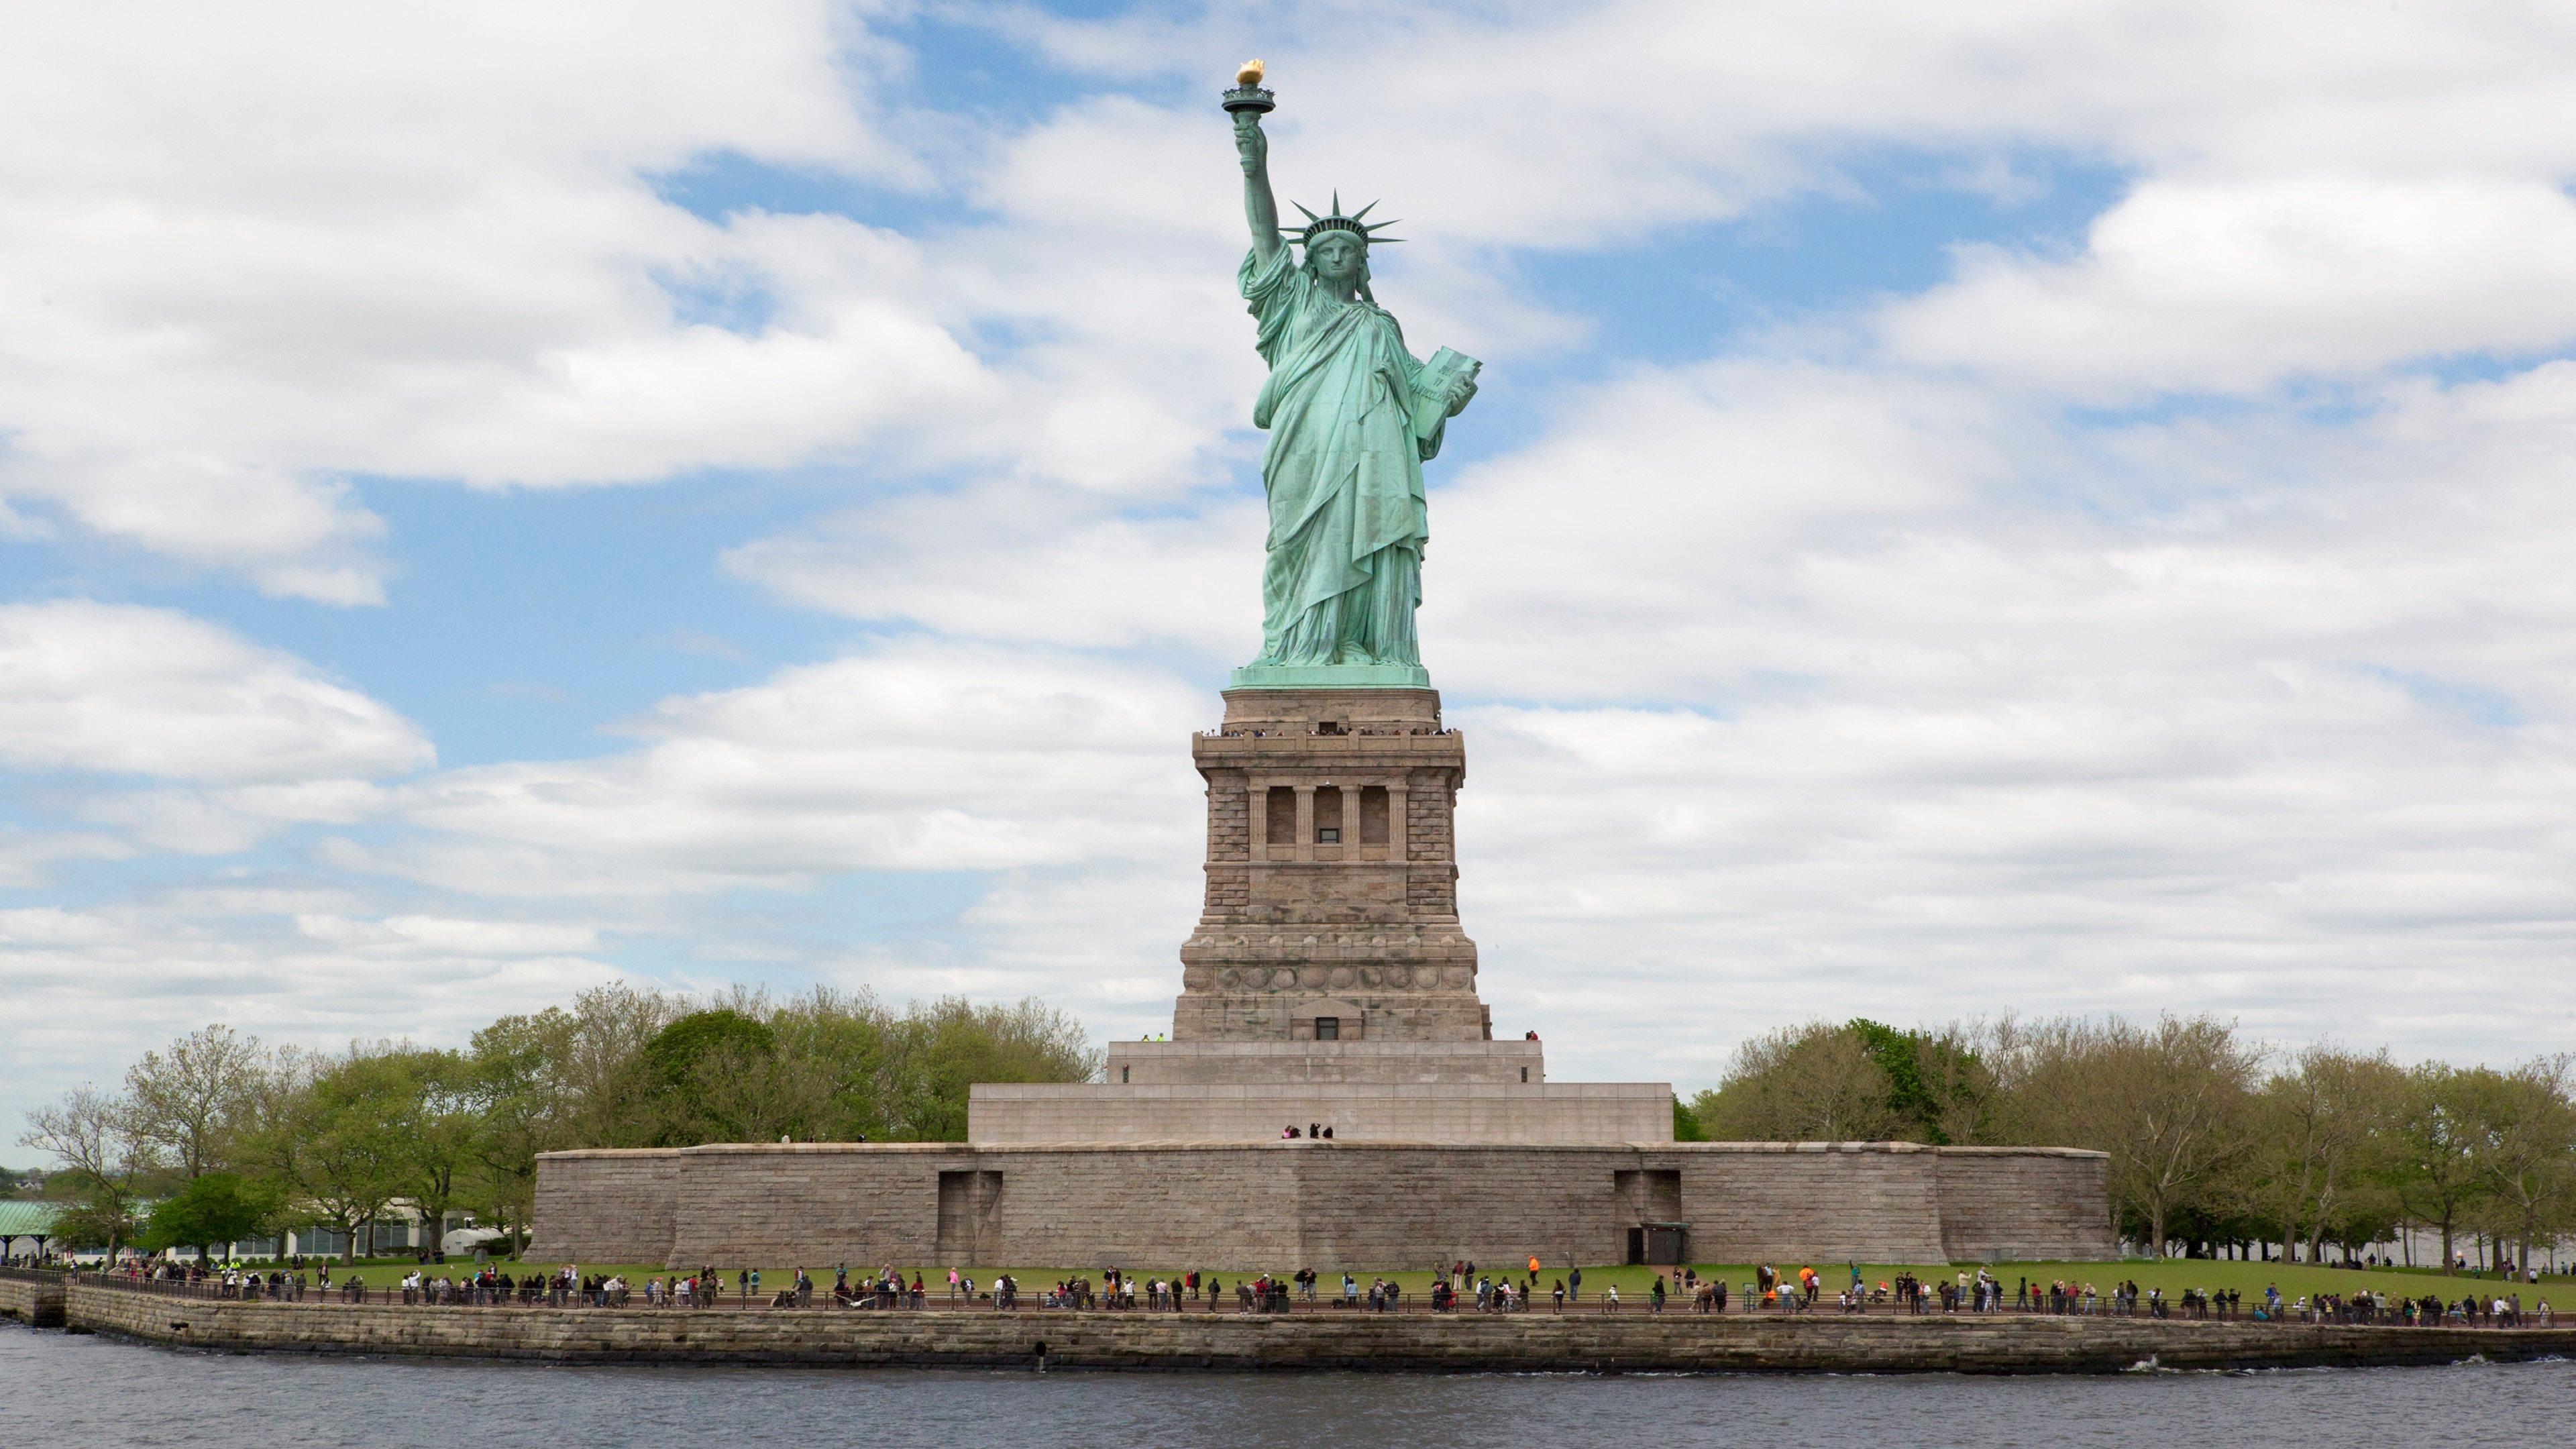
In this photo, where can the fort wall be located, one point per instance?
(1279, 1205)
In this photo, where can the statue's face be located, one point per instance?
(1339, 257)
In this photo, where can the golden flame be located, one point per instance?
(1249, 75)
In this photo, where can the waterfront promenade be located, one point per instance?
(1307, 1338)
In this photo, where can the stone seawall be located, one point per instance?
(29, 1300)
(1336, 1205)
(1633, 1342)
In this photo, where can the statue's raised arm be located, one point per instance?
(1260, 207)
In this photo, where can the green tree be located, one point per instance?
(211, 1208)
(106, 1155)
(2322, 1128)
(714, 1078)
(1938, 1088)
(522, 1108)
(1686, 1126)
(2524, 1148)
(440, 1122)
(839, 1066)
(334, 1138)
(94, 1219)
(2170, 1103)
(1815, 1083)
(563, 1078)
(192, 1098)
(2433, 1139)
(950, 1044)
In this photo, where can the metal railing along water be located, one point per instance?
(1242, 1299)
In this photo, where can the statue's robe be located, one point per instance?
(1343, 473)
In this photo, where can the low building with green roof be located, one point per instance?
(20, 1219)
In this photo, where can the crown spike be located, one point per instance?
(1301, 206)
(1362, 213)
(1337, 201)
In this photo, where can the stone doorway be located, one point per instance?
(1649, 1205)
(970, 1206)
(1661, 1244)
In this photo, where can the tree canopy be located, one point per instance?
(2212, 1139)
(237, 1139)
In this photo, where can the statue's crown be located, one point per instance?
(1319, 227)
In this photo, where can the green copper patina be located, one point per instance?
(1352, 418)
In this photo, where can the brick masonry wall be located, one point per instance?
(1300, 1204)
(593, 1206)
(1229, 816)
(1374, 926)
(1461, 1112)
(2000, 1203)
(1777, 1202)
(1430, 810)
(29, 1301)
(808, 1205)
(1430, 816)
(1632, 1341)
(1282, 1063)
(1229, 892)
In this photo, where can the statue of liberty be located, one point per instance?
(1352, 417)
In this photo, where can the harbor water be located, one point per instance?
(99, 1393)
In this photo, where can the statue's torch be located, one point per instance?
(1248, 94)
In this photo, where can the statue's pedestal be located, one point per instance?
(1325, 1063)
(1328, 984)
(1332, 874)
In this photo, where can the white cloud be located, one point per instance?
(125, 690)
(2232, 286)
(92, 989)
(416, 935)
(1100, 939)
(907, 760)
(248, 254)
(27, 857)
(2264, 717)
(1548, 124)
(1019, 563)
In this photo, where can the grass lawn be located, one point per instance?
(2295, 1280)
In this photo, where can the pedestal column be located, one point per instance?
(1367, 937)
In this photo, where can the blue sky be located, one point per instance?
(1968, 513)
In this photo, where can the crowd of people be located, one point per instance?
(1458, 1287)
(229, 1280)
